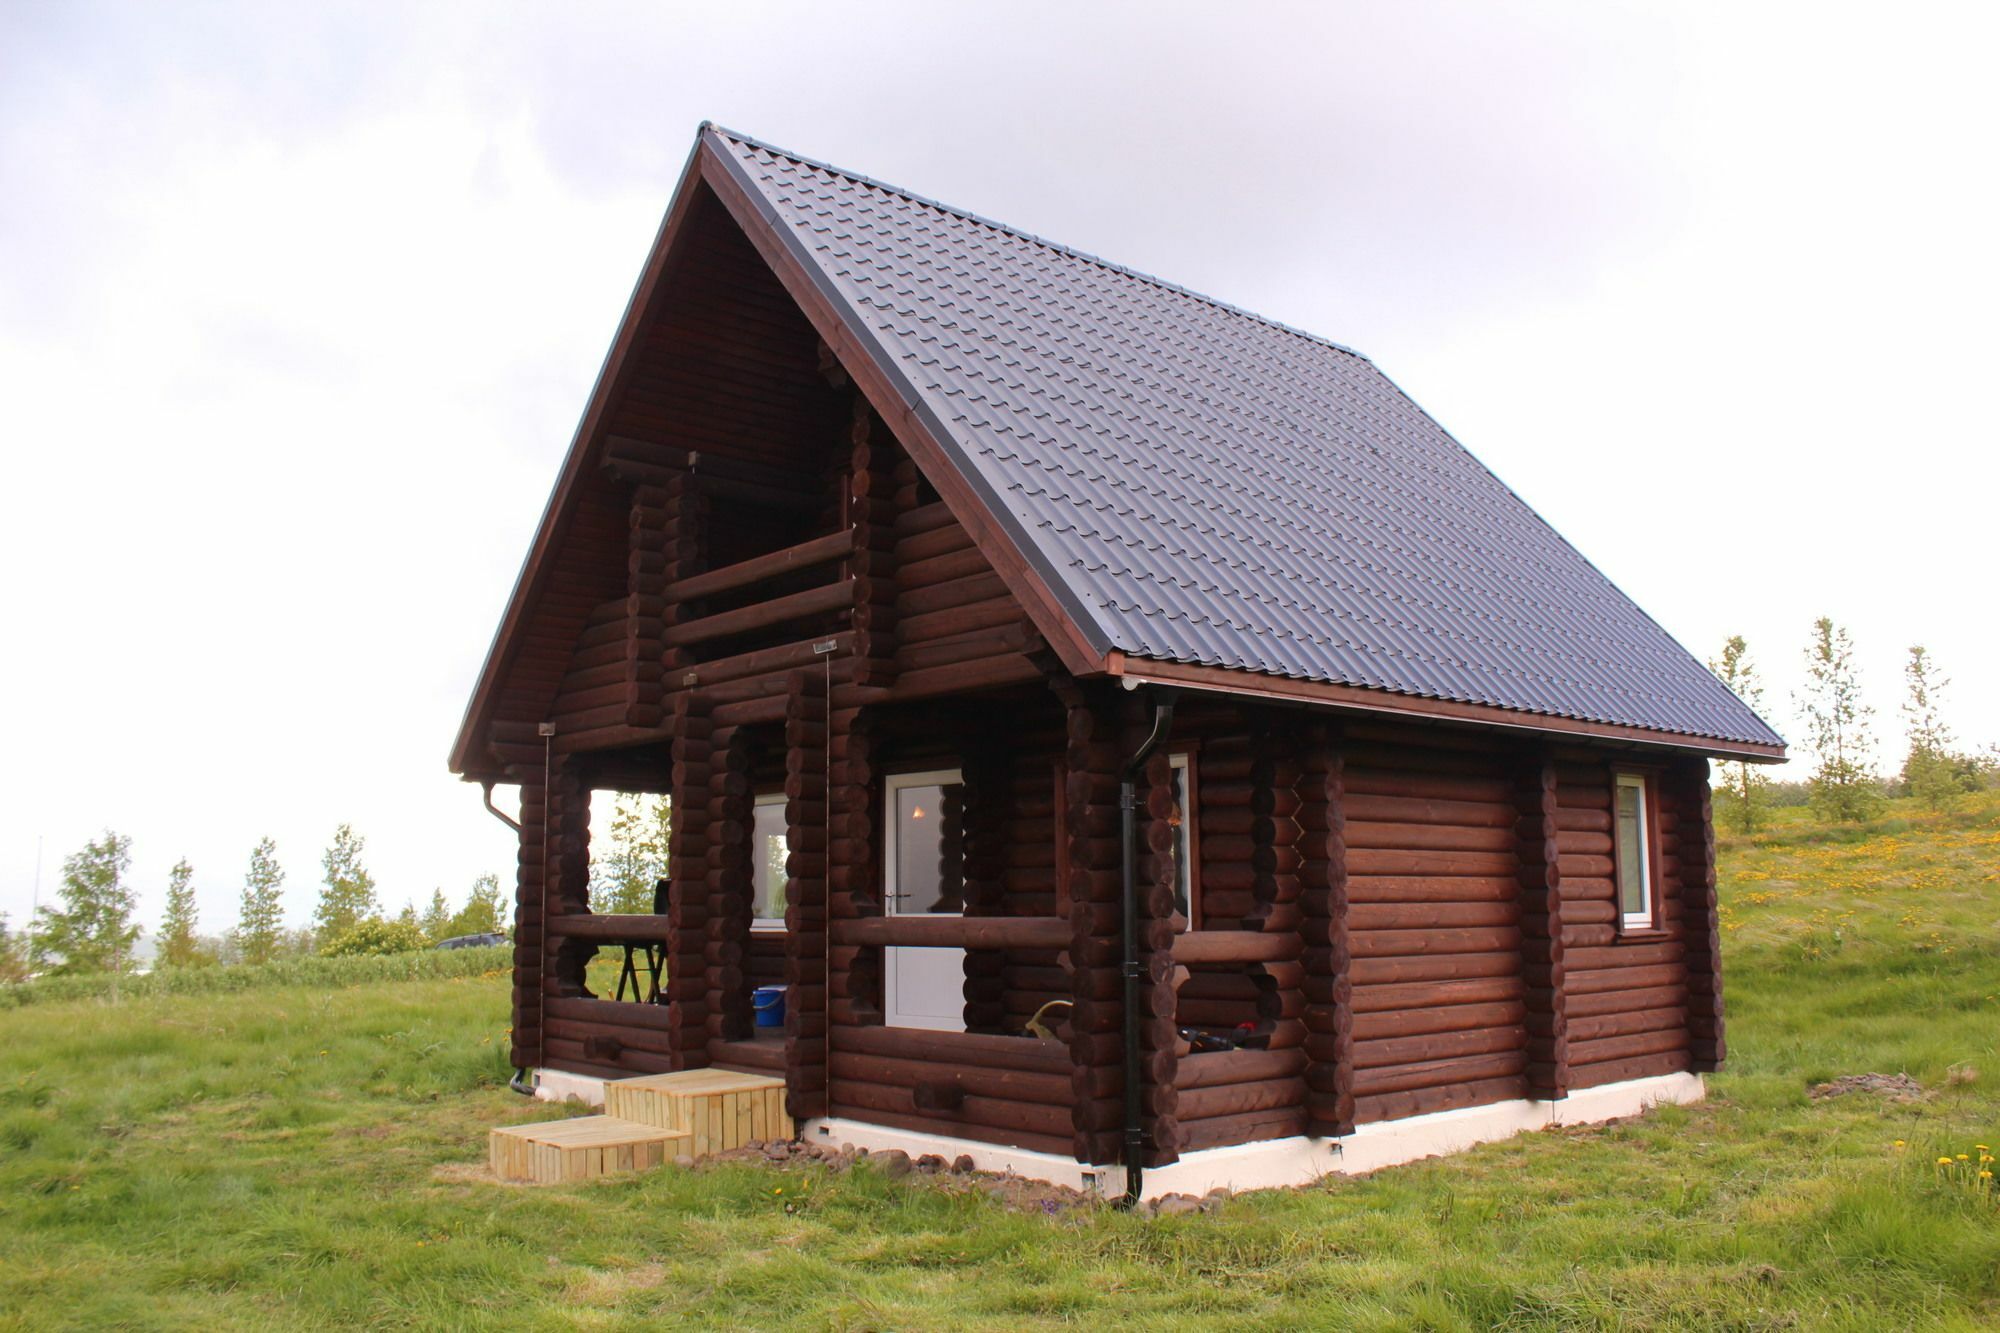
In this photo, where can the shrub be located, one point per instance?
(374, 936)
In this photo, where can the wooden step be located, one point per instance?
(552, 1151)
(718, 1109)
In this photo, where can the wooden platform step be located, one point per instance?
(552, 1151)
(718, 1109)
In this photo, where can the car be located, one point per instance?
(483, 940)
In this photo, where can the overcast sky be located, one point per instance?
(299, 305)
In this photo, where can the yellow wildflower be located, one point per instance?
(1944, 1161)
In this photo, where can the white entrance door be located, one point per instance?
(923, 873)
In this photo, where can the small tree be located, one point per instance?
(1935, 774)
(622, 879)
(260, 927)
(482, 913)
(437, 917)
(1838, 727)
(13, 954)
(93, 930)
(1741, 786)
(178, 945)
(349, 895)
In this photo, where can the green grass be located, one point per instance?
(311, 970)
(304, 1156)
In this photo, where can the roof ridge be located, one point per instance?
(1043, 241)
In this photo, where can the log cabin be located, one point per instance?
(1146, 749)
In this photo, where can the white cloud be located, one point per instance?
(298, 308)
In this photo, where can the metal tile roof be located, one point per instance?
(1202, 485)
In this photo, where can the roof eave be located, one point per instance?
(1135, 671)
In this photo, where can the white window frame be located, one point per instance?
(1644, 919)
(1182, 762)
(757, 859)
(894, 957)
(891, 785)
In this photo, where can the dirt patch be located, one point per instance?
(1892, 1087)
(930, 1171)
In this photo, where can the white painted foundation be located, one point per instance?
(556, 1085)
(1270, 1164)
(1285, 1163)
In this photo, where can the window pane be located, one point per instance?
(1631, 837)
(769, 848)
(1177, 820)
(929, 849)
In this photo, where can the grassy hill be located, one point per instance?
(306, 1154)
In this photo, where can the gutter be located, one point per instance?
(1128, 940)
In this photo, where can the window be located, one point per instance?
(769, 849)
(1179, 818)
(923, 865)
(1632, 850)
(925, 851)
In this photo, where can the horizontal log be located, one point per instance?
(1249, 1127)
(955, 932)
(1044, 1088)
(970, 1049)
(1432, 1073)
(992, 1113)
(1423, 994)
(1618, 1071)
(1438, 967)
(1230, 1099)
(805, 555)
(1432, 915)
(1408, 943)
(609, 927)
(1448, 1018)
(924, 518)
(1366, 835)
(619, 1012)
(1403, 1051)
(1234, 946)
(760, 615)
(763, 661)
(1211, 1069)
(979, 674)
(1438, 1097)
(1367, 889)
(1622, 1048)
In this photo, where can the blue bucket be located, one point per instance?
(769, 1004)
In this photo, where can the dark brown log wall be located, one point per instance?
(1434, 922)
(1626, 992)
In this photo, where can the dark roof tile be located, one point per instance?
(1215, 488)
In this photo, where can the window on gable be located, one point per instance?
(770, 847)
(1632, 849)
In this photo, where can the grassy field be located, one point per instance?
(301, 1156)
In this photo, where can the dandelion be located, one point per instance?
(1964, 1157)
(1901, 1144)
(1944, 1161)
(1986, 1175)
